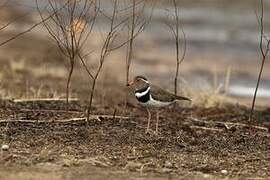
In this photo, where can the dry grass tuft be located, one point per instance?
(207, 99)
(215, 96)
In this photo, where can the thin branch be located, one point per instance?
(174, 29)
(264, 53)
(228, 125)
(73, 120)
(85, 66)
(26, 31)
(13, 21)
(69, 29)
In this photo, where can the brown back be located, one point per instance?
(162, 95)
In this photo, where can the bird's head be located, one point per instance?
(139, 82)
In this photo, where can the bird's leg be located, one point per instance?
(149, 119)
(157, 121)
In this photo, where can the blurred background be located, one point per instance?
(222, 43)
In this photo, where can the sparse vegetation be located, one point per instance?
(135, 26)
(264, 49)
(109, 44)
(70, 27)
(175, 29)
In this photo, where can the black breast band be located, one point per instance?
(144, 98)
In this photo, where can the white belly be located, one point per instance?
(155, 103)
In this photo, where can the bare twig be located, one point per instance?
(175, 31)
(91, 117)
(264, 53)
(51, 111)
(116, 25)
(70, 27)
(131, 29)
(228, 125)
(26, 31)
(13, 21)
(104, 53)
(44, 100)
(136, 25)
(205, 128)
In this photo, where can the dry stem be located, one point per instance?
(264, 53)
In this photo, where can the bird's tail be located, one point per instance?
(182, 98)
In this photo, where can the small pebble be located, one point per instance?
(224, 171)
(165, 170)
(5, 147)
(168, 164)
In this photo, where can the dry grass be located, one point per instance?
(209, 99)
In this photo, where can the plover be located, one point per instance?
(151, 96)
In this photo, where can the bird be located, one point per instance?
(152, 96)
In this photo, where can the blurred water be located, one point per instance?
(245, 91)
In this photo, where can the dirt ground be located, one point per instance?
(45, 142)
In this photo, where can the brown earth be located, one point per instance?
(193, 142)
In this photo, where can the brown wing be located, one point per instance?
(162, 95)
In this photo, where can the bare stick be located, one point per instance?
(264, 53)
(70, 27)
(175, 31)
(135, 26)
(116, 27)
(44, 100)
(229, 124)
(26, 31)
(93, 117)
(130, 45)
(50, 111)
(205, 128)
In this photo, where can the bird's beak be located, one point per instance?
(130, 83)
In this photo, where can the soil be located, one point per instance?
(45, 142)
